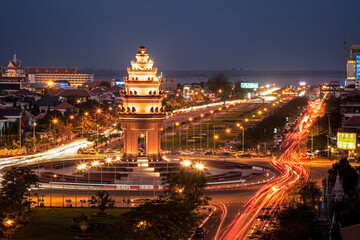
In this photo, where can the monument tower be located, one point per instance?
(142, 114)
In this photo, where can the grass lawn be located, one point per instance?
(54, 223)
(202, 135)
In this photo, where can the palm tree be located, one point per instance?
(102, 200)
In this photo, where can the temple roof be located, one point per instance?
(14, 63)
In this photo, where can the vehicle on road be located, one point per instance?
(85, 151)
(225, 155)
(209, 154)
(92, 151)
(109, 150)
(200, 233)
(304, 157)
(101, 151)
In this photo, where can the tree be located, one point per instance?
(188, 185)
(170, 217)
(348, 175)
(105, 84)
(83, 222)
(309, 193)
(15, 198)
(102, 200)
(220, 84)
(296, 222)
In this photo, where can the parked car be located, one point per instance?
(92, 151)
(225, 154)
(209, 154)
(85, 151)
(109, 150)
(100, 151)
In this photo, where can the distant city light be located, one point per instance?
(302, 83)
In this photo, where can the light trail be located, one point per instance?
(275, 193)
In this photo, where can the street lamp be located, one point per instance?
(83, 127)
(186, 163)
(228, 130)
(215, 138)
(243, 139)
(199, 166)
(34, 139)
(177, 124)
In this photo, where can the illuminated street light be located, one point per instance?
(265, 109)
(216, 136)
(95, 163)
(86, 113)
(9, 222)
(201, 115)
(220, 91)
(186, 163)
(177, 124)
(98, 110)
(246, 120)
(50, 83)
(142, 135)
(190, 119)
(238, 125)
(259, 112)
(81, 166)
(78, 101)
(220, 109)
(228, 130)
(55, 120)
(199, 166)
(108, 160)
(71, 117)
(211, 112)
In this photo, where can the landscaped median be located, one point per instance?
(57, 223)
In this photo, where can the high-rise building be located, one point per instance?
(142, 114)
(51, 75)
(353, 67)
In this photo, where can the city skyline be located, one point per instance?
(205, 35)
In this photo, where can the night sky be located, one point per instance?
(180, 35)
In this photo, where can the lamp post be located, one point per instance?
(83, 126)
(243, 138)
(34, 138)
(215, 138)
(173, 137)
(177, 124)
(80, 167)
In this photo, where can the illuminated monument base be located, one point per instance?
(147, 128)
